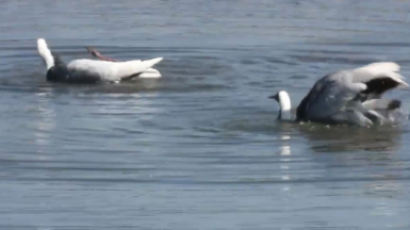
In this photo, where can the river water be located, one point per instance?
(201, 147)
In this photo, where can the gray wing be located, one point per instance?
(339, 97)
(330, 98)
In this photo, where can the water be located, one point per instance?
(199, 148)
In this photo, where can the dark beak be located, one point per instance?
(276, 97)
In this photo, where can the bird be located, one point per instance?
(92, 71)
(148, 73)
(351, 96)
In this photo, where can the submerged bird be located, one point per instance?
(90, 71)
(351, 96)
(148, 73)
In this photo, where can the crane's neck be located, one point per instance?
(45, 53)
(285, 106)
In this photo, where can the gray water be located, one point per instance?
(199, 148)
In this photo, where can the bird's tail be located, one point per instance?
(382, 110)
(128, 68)
(45, 53)
(150, 73)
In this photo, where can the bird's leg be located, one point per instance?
(95, 53)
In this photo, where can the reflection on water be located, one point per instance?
(45, 122)
(285, 153)
(350, 138)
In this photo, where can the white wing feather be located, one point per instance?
(380, 69)
(111, 71)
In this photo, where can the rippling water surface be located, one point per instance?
(201, 147)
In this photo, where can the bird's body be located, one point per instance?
(353, 96)
(89, 70)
